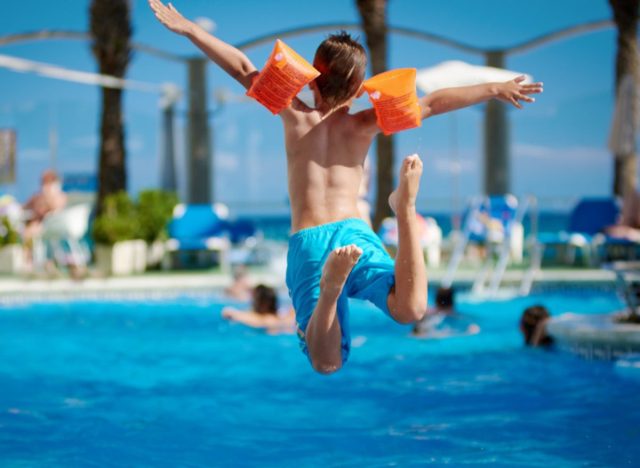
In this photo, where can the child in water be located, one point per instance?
(264, 313)
(443, 321)
(533, 325)
(333, 254)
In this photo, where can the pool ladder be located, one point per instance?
(490, 277)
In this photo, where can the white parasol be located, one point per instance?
(457, 73)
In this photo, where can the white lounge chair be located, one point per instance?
(63, 233)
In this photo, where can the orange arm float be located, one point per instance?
(394, 99)
(282, 78)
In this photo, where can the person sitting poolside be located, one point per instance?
(442, 320)
(48, 200)
(533, 325)
(628, 227)
(264, 313)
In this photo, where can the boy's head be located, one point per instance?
(342, 63)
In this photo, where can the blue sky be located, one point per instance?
(558, 145)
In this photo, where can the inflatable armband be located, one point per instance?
(394, 98)
(282, 78)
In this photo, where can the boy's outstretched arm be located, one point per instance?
(448, 99)
(227, 57)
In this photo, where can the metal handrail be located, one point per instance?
(505, 251)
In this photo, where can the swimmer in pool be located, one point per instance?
(264, 313)
(333, 254)
(443, 320)
(533, 325)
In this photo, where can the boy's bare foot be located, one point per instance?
(408, 184)
(336, 269)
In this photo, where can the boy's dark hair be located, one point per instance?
(444, 298)
(265, 300)
(531, 319)
(342, 63)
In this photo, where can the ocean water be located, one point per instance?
(169, 383)
(276, 227)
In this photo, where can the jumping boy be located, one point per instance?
(333, 254)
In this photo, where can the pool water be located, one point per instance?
(169, 383)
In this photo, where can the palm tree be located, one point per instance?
(374, 22)
(625, 15)
(111, 31)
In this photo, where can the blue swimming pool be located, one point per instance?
(168, 383)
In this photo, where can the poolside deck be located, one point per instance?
(159, 284)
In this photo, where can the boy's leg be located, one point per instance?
(323, 335)
(407, 302)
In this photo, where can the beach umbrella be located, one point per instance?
(454, 73)
(625, 123)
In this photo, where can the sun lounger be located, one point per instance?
(195, 229)
(430, 238)
(494, 225)
(64, 235)
(587, 220)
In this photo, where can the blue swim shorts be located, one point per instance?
(371, 278)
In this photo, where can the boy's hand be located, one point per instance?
(171, 18)
(514, 92)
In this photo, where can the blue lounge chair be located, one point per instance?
(199, 228)
(241, 230)
(587, 220)
(247, 241)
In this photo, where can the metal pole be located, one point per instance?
(199, 185)
(455, 172)
(170, 95)
(53, 138)
(496, 138)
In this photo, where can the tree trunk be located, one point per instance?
(625, 15)
(374, 23)
(112, 171)
(110, 26)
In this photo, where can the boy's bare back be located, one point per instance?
(325, 158)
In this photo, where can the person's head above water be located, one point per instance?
(342, 62)
(265, 300)
(532, 325)
(444, 298)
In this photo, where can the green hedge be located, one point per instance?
(125, 219)
(8, 234)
